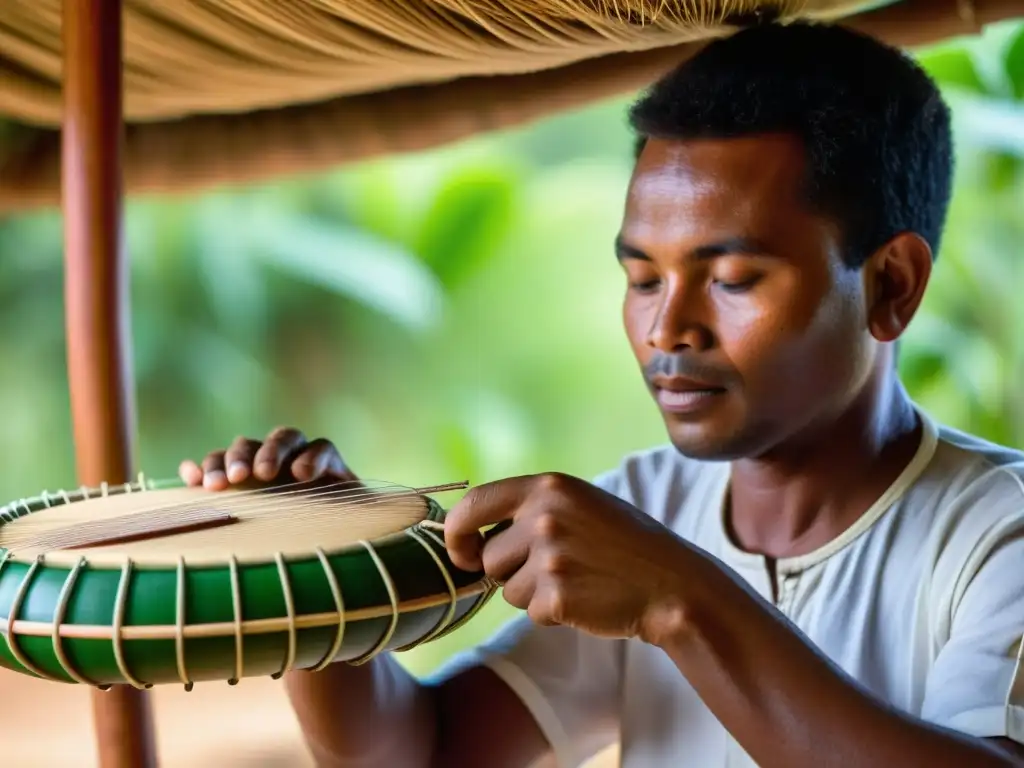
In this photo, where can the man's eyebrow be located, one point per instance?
(624, 250)
(745, 245)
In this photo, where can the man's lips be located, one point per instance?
(682, 384)
(678, 394)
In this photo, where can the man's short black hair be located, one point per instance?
(873, 124)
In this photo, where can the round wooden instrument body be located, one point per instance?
(124, 614)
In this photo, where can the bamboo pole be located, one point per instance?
(98, 352)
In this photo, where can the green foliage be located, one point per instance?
(954, 67)
(1014, 68)
(468, 220)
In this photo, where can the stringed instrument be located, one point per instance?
(155, 583)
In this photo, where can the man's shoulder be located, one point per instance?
(968, 506)
(968, 469)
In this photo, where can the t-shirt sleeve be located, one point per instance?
(976, 684)
(568, 680)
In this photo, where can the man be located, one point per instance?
(813, 572)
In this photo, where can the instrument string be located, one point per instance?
(271, 498)
(240, 495)
(324, 502)
(302, 508)
(263, 500)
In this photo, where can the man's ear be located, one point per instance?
(895, 279)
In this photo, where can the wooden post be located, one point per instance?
(98, 350)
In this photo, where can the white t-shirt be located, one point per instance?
(922, 601)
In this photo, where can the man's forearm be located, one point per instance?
(371, 715)
(784, 702)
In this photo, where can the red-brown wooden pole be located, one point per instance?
(98, 349)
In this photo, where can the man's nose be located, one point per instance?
(681, 320)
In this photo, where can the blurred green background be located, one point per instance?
(455, 315)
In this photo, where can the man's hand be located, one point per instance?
(286, 455)
(575, 555)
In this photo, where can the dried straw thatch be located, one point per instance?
(237, 90)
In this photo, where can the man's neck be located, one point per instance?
(800, 497)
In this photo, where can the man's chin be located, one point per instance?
(703, 444)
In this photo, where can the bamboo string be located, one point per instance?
(231, 497)
(179, 625)
(117, 627)
(21, 507)
(227, 628)
(238, 625)
(339, 602)
(15, 609)
(395, 604)
(328, 506)
(63, 600)
(301, 508)
(449, 583)
(290, 616)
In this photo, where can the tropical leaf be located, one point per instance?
(953, 66)
(367, 269)
(1002, 170)
(469, 218)
(1014, 64)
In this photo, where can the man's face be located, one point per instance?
(746, 322)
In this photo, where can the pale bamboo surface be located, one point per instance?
(333, 517)
(224, 56)
(251, 725)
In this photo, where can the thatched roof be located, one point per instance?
(238, 90)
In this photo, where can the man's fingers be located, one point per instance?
(239, 458)
(285, 448)
(280, 444)
(190, 473)
(484, 505)
(504, 554)
(214, 477)
(318, 459)
(518, 591)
